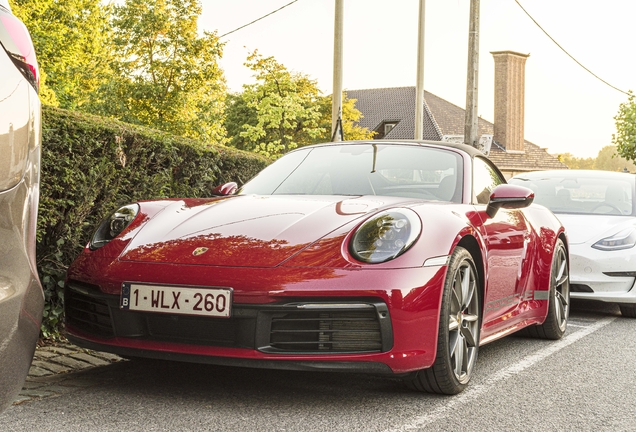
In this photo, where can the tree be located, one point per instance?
(237, 114)
(607, 159)
(625, 137)
(167, 76)
(282, 111)
(573, 162)
(72, 43)
(278, 113)
(350, 118)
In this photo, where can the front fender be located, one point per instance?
(443, 227)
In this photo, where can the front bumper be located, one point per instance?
(299, 365)
(589, 277)
(293, 327)
(361, 322)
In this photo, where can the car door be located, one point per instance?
(507, 240)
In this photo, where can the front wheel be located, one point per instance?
(556, 322)
(459, 327)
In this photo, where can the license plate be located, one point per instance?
(214, 302)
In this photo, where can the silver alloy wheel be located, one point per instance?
(561, 283)
(558, 308)
(463, 322)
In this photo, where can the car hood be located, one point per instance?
(585, 228)
(245, 230)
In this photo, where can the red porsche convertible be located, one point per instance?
(381, 257)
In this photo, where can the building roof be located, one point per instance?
(440, 118)
(393, 104)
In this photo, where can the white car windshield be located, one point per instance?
(364, 169)
(584, 194)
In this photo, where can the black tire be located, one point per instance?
(628, 310)
(459, 329)
(556, 322)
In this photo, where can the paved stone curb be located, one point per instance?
(51, 370)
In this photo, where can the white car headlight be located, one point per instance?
(385, 236)
(624, 239)
(113, 225)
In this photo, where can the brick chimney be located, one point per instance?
(509, 99)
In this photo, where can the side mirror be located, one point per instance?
(509, 197)
(225, 189)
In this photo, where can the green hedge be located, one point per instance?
(92, 165)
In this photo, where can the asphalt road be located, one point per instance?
(584, 382)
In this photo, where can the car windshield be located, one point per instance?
(364, 169)
(583, 194)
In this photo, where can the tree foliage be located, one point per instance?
(278, 113)
(283, 110)
(72, 43)
(625, 137)
(574, 162)
(607, 159)
(167, 76)
(350, 118)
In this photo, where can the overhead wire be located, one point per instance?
(258, 19)
(570, 55)
(516, 1)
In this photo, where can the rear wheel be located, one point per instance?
(628, 310)
(458, 337)
(556, 322)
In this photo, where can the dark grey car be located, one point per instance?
(21, 297)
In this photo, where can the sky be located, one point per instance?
(566, 108)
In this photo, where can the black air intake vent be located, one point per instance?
(337, 328)
(580, 288)
(86, 308)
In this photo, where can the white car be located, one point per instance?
(598, 210)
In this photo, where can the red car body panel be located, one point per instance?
(413, 300)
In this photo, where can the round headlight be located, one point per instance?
(113, 225)
(385, 236)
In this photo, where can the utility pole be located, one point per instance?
(471, 125)
(419, 86)
(336, 104)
